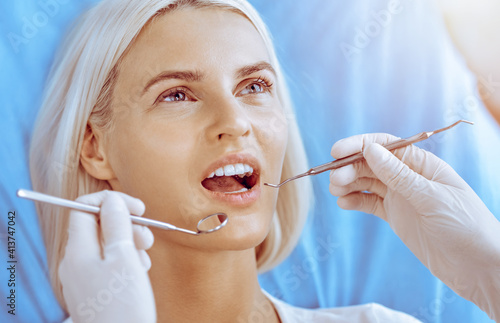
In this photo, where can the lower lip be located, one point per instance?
(237, 199)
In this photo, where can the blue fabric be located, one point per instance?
(402, 78)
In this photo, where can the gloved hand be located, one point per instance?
(104, 269)
(431, 208)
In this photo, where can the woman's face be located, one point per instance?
(199, 127)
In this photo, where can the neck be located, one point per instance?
(195, 286)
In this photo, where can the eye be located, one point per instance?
(174, 95)
(177, 96)
(258, 86)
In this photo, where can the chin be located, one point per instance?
(245, 237)
(242, 232)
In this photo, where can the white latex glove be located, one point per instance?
(431, 208)
(104, 269)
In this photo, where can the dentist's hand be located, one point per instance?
(104, 272)
(431, 208)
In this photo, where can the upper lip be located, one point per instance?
(241, 158)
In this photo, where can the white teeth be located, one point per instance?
(244, 189)
(219, 172)
(229, 170)
(239, 169)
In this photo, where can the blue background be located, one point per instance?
(402, 76)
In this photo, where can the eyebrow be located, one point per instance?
(257, 67)
(187, 76)
(195, 76)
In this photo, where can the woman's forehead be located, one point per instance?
(197, 40)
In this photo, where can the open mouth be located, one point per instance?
(231, 179)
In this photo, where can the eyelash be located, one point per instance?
(170, 92)
(266, 83)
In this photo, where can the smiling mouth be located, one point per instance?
(231, 179)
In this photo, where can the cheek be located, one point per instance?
(273, 136)
(152, 165)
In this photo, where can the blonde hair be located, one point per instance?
(79, 92)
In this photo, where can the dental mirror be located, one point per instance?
(209, 224)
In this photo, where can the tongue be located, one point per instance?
(222, 184)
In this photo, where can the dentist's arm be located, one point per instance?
(431, 208)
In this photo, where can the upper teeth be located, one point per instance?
(230, 170)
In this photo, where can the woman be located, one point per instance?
(181, 104)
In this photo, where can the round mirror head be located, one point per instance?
(212, 223)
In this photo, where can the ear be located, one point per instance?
(93, 156)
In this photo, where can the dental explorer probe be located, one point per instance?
(40, 197)
(351, 159)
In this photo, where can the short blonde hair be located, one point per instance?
(79, 92)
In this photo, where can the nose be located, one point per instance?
(230, 119)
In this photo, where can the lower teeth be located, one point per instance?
(244, 189)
